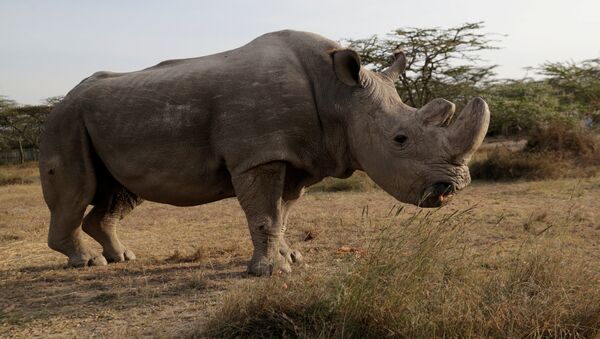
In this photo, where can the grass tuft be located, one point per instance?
(9, 237)
(197, 256)
(417, 279)
(104, 297)
(19, 174)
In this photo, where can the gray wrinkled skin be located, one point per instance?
(260, 122)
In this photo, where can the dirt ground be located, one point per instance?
(188, 258)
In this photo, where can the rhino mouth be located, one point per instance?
(437, 194)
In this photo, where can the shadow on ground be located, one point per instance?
(39, 293)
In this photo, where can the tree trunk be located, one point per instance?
(21, 152)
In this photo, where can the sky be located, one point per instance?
(48, 47)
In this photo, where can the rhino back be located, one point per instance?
(175, 132)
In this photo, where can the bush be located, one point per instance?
(358, 182)
(518, 106)
(418, 280)
(503, 164)
(564, 137)
(560, 148)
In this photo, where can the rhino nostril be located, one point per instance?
(443, 188)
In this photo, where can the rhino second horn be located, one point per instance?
(398, 66)
(437, 112)
(467, 132)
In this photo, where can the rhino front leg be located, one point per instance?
(259, 192)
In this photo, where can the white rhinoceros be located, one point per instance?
(260, 123)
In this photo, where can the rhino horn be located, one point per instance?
(398, 66)
(437, 112)
(466, 134)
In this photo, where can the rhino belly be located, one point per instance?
(167, 160)
(181, 176)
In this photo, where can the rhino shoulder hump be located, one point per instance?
(104, 75)
(170, 62)
(292, 37)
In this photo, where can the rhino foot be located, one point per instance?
(87, 260)
(266, 266)
(290, 255)
(121, 256)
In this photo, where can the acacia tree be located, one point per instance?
(518, 106)
(577, 84)
(5, 130)
(21, 126)
(441, 62)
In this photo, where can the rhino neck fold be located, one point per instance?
(336, 158)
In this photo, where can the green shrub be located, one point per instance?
(518, 106)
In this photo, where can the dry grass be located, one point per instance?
(567, 140)
(556, 150)
(19, 174)
(503, 164)
(420, 280)
(527, 245)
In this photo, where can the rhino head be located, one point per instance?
(419, 156)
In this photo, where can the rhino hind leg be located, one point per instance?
(111, 204)
(68, 181)
(65, 236)
(259, 192)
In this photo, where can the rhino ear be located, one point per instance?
(437, 112)
(346, 65)
(398, 67)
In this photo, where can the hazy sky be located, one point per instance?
(47, 47)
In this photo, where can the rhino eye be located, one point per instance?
(401, 139)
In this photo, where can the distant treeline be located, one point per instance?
(20, 128)
(441, 62)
